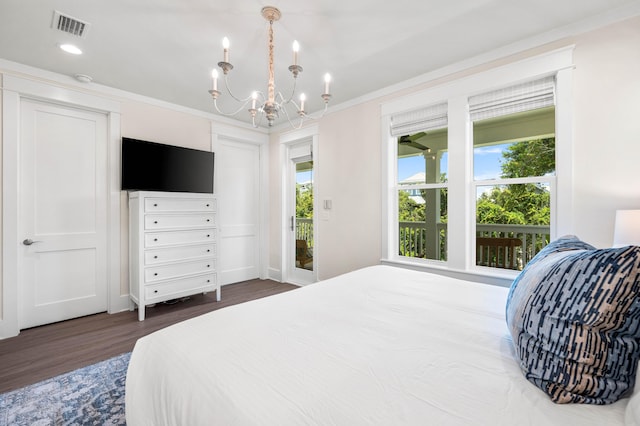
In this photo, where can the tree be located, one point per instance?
(490, 209)
(524, 204)
(536, 157)
(408, 209)
(304, 201)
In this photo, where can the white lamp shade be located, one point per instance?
(627, 228)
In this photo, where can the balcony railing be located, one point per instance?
(414, 240)
(304, 231)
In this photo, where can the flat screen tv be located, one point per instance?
(150, 166)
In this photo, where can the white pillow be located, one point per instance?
(632, 412)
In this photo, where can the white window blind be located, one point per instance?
(301, 152)
(419, 120)
(510, 100)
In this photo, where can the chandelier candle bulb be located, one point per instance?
(225, 47)
(327, 80)
(302, 99)
(296, 49)
(214, 76)
(254, 97)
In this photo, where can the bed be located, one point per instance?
(378, 346)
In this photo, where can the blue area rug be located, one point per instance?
(92, 395)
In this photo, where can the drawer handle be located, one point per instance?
(155, 274)
(208, 220)
(208, 266)
(208, 235)
(207, 205)
(155, 257)
(155, 221)
(155, 291)
(208, 281)
(155, 239)
(208, 250)
(155, 205)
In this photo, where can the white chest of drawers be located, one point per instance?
(172, 246)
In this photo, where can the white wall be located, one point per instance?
(606, 111)
(158, 124)
(606, 129)
(350, 176)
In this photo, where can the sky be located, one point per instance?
(486, 160)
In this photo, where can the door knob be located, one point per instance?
(29, 241)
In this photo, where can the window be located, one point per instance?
(514, 164)
(421, 182)
(494, 174)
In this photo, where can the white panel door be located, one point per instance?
(238, 188)
(62, 213)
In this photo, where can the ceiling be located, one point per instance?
(166, 49)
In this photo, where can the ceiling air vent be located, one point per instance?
(69, 25)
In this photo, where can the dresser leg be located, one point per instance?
(218, 294)
(140, 313)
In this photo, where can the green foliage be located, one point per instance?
(536, 157)
(304, 202)
(409, 210)
(522, 204)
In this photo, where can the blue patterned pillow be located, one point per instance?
(574, 316)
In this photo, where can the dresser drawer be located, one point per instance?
(168, 221)
(179, 204)
(160, 239)
(173, 254)
(179, 288)
(177, 270)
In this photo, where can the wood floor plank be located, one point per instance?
(47, 351)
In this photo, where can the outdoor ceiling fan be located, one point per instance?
(410, 140)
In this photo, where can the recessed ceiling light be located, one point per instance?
(83, 78)
(70, 48)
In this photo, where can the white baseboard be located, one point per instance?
(8, 329)
(121, 304)
(275, 274)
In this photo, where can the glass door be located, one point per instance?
(300, 240)
(303, 220)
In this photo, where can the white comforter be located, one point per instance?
(378, 346)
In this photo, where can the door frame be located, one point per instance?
(287, 141)
(15, 89)
(260, 138)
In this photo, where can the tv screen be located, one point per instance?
(150, 166)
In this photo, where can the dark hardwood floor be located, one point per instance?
(42, 352)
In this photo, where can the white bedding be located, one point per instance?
(378, 346)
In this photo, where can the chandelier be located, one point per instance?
(267, 106)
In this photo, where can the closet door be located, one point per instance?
(62, 225)
(238, 189)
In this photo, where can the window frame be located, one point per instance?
(549, 180)
(461, 185)
(424, 125)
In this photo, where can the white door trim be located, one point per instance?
(14, 90)
(260, 138)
